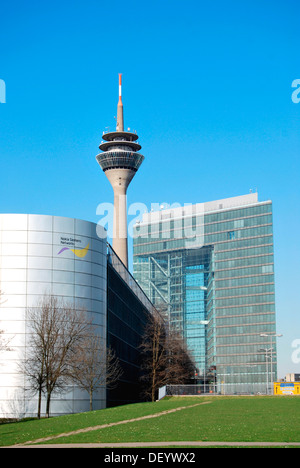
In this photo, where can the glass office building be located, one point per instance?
(210, 268)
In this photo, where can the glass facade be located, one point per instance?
(128, 311)
(120, 159)
(210, 267)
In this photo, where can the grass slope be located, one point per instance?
(23, 431)
(252, 419)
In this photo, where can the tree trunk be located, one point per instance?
(39, 403)
(91, 400)
(48, 405)
(153, 386)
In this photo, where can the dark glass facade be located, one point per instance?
(128, 311)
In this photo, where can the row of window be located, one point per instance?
(219, 248)
(239, 234)
(200, 242)
(250, 319)
(240, 301)
(242, 329)
(253, 358)
(250, 368)
(234, 278)
(238, 224)
(228, 232)
(239, 215)
(242, 253)
(241, 262)
(250, 290)
(244, 281)
(240, 349)
(246, 309)
(253, 271)
(246, 380)
(188, 226)
(243, 340)
(254, 241)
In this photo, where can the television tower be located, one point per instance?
(120, 161)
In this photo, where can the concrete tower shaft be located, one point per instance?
(120, 161)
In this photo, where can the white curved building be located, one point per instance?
(41, 255)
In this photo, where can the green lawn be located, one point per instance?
(21, 432)
(250, 419)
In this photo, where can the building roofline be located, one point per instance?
(199, 209)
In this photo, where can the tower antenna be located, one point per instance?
(120, 119)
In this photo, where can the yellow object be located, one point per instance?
(81, 252)
(286, 388)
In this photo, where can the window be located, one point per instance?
(267, 268)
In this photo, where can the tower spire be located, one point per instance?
(120, 120)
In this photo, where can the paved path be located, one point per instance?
(169, 444)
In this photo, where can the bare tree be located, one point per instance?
(180, 365)
(95, 366)
(56, 330)
(4, 341)
(165, 357)
(154, 356)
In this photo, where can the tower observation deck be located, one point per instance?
(120, 160)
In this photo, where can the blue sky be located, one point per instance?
(206, 85)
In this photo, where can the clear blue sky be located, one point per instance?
(207, 86)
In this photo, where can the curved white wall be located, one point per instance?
(36, 258)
